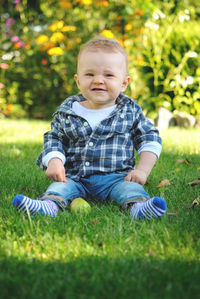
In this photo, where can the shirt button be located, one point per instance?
(87, 163)
(91, 143)
(67, 121)
(85, 124)
(122, 115)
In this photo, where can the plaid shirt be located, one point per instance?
(108, 148)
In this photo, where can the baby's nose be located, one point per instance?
(98, 79)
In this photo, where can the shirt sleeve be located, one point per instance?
(145, 135)
(51, 155)
(153, 147)
(53, 143)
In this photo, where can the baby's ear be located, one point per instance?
(76, 79)
(125, 83)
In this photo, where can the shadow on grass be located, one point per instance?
(95, 277)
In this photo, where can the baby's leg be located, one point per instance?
(57, 195)
(132, 196)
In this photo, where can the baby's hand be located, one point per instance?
(56, 171)
(136, 175)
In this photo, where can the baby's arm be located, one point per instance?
(52, 159)
(56, 171)
(145, 164)
(148, 144)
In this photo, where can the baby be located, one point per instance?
(89, 151)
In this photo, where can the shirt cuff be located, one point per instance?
(153, 147)
(51, 155)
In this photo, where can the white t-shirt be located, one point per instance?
(93, 116)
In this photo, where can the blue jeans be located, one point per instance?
(100, 187)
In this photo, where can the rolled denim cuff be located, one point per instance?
(129, 202)
(56, 198)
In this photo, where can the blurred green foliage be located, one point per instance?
(40, 41)
(169, 66)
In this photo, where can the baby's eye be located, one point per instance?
(89, 75)
(109, 75)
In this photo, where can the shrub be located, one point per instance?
(169, 65)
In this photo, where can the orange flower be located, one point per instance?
(128, 27)
(59, 24)
(47, 46)
(9, 107)
(142, 30)
(103, 3)
(16, 46)
(107, 33)
(121, 42)
(78, 40)
(86, 2)
(68, 28)
(139, 12)
(53, 27)
(44, 61)
(65, 4)
(57, 37)
(42, 39)
(57, 51)
(4, 66)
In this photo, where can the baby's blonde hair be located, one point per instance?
(105, 44)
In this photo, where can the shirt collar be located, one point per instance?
(66, 106)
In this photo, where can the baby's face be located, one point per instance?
(101, 77)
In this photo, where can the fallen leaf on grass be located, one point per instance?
(172, 213)
(151, 251)
(196, 202)
(163, 183)
(25, 189)
(186, 161)
(197, 182)
(95, 221)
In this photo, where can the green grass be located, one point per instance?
(104, 254)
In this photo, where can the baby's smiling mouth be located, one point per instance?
(98, 89)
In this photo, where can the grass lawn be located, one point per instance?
(104, 254)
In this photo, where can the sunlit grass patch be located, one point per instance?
(104, 254)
